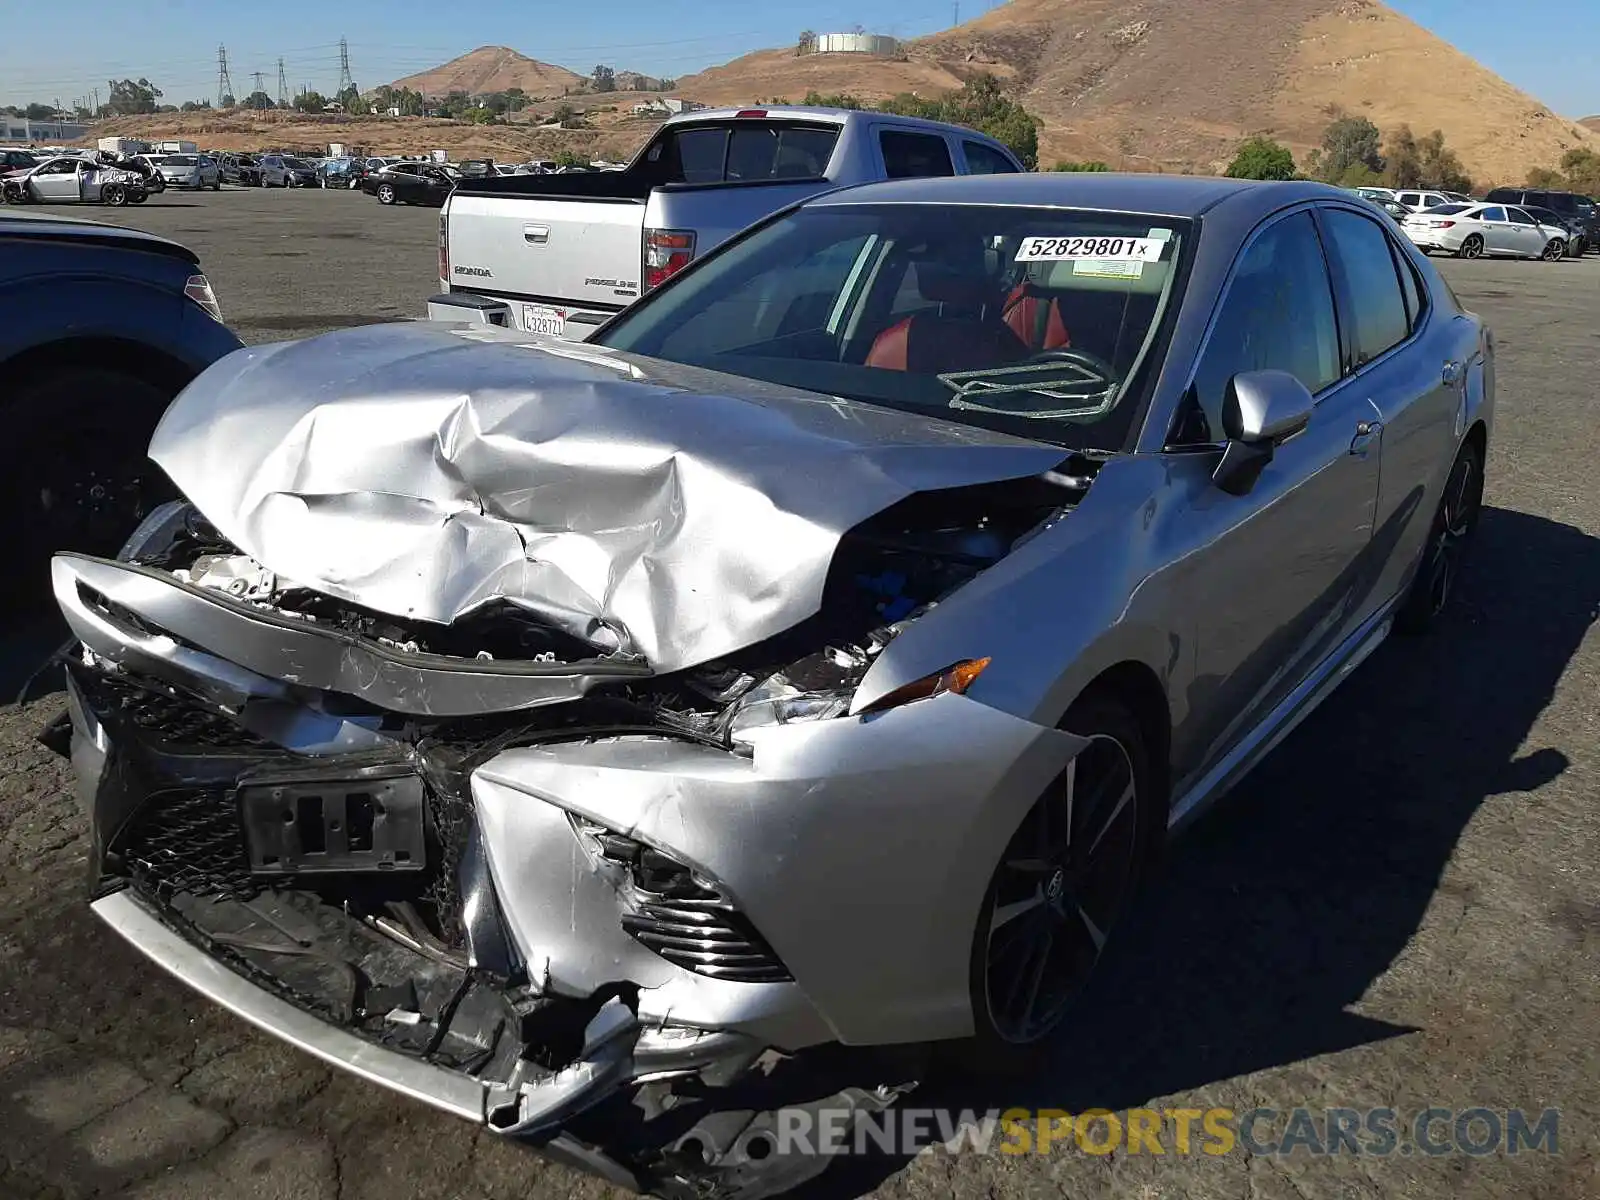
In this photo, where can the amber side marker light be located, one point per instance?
(956, 678)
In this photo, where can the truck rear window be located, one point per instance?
(749, 150)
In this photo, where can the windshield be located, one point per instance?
(1031, 321)
(178, 160)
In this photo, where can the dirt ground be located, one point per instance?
(1400, 908)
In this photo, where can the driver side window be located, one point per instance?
(1277, 314)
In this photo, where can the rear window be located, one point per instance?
(742, 153)
(1445, 210)
(914, 155)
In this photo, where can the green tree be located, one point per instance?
(1403, 160)
(227, 100)
(1440, 167)
(569, 158)
(1544, 177)
(1349, 142)
(1262, 158)
(604, 79)
(806, 43)
(1582, 167)
(350, 100)
(980, 105)
(1095, 166)
(194, 106)
(258, 100)
(38, 112)
(131, 97)
(310, 102)
(832, 100)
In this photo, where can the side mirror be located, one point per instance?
(1260, 411)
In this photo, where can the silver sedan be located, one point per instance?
(821, 654)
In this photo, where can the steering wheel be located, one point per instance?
(1079, 358)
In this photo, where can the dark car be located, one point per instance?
(1569, 206)
(411, 183)
(241, 169)
(99, 328)
(17, 160)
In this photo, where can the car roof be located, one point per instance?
(77, 230)
(802, 112)
(1166, 195)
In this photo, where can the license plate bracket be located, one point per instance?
(323, 826)
(542, 318)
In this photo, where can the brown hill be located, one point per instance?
(492, 69)
(1591, 123)
(1176, 85)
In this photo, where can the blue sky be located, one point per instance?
(64, 49)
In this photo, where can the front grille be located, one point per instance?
(173, 718)
(704, 935)
(188, 840)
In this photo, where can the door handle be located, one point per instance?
(1451, 373)
(1367, 433)
(537, 235)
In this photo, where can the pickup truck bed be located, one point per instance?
(560, 254)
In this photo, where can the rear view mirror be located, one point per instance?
(1260, 411)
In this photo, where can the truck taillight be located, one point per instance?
(666, 252)
(444, 246)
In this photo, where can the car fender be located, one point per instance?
(54, 307)
(1061, 609)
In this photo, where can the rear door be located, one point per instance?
(984, 159)
(908, 153)
(1398, 353)
(1497, 232)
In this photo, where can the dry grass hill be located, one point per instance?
(1176, 84)
(493, 69)
(1141, 84)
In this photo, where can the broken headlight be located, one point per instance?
(822, 686)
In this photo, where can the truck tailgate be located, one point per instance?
(574, 252)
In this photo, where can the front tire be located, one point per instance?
(1066, 875)
(84, 482)
(1454, 522)
(1555, 251)
(1471, 248)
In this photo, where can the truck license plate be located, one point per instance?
(539, 318)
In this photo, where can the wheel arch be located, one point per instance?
(140, 360)
(1135, 686)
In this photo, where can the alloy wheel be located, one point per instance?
(1061, 884)
(1472, 247)
(1555, 251)
(1458, 512)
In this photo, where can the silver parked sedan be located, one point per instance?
(820, 654)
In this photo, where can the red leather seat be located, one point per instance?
(957, 338)
(1035, 319)
(932, 345)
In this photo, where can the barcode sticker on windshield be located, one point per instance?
(1109, 268)
(1061, 249)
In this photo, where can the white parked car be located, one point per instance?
(1475, 230)
(1418, 198)
(195, 171)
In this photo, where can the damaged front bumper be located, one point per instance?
(523, 916)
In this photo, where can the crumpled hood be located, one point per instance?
(422, 470)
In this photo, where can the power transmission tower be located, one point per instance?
(224, 80)
(345, 79)
(283, 87)
(260, 78)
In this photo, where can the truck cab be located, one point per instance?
(562, 254)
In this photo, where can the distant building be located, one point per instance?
(876, 44)
(20, 129)
(666, 106)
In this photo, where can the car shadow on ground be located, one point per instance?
(1276, 914)
(1279, 910)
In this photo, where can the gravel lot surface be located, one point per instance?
(1401, 908)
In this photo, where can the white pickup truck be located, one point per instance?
(561, 254)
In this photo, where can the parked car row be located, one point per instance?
(1568, 217)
